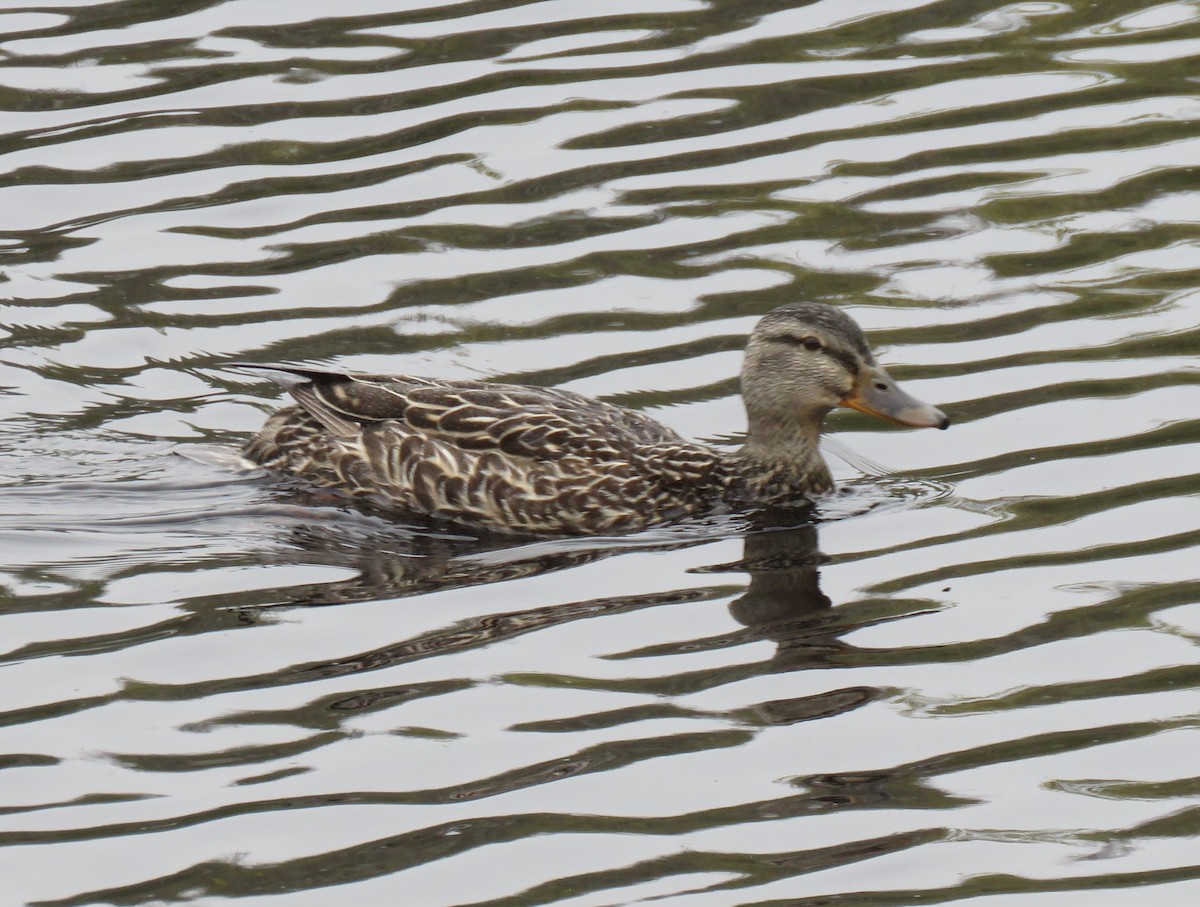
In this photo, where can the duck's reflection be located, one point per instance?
(782, 557)
(399, 560)
(782, 603)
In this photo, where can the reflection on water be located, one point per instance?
(216, 686)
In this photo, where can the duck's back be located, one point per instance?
(504, 457)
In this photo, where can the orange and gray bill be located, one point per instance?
(877, 394)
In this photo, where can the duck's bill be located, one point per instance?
(876, 394)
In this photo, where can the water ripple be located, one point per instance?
(972, 676)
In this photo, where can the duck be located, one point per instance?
(516, 459)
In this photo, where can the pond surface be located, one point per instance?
(974, 679)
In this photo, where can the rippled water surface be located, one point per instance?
(974, 679)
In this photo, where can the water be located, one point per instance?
(976, 679)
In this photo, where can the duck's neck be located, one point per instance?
(781, 458)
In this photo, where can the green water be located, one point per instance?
(975, 679)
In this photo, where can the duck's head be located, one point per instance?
(804, 359)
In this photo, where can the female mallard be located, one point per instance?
(520, 459)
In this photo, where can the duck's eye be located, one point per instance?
(812, 344)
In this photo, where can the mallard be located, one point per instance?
(533, 460)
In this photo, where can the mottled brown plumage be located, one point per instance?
(520, 459)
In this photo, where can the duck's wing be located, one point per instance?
(341, 401)
(519, 421)
(501, 456)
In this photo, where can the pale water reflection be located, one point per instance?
(972, 676)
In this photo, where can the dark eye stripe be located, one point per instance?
(845, 360)
(842, 358)
(793, 340)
